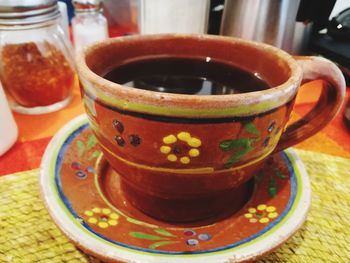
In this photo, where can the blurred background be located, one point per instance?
(53, 33)
(300, 27)
(297, 26)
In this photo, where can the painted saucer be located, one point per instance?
(73, 175)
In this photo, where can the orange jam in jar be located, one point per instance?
(36, 66)
(36, 74)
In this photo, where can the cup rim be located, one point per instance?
(241, 104)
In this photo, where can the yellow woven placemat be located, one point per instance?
(27, 233)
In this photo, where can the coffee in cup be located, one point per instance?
(187, 120)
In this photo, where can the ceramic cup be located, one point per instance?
(223, 139)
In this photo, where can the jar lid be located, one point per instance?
(82, 6)
(19, 12)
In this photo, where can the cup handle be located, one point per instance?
(327, 106)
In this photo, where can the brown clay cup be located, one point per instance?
(189, 157)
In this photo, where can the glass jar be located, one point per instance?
(89, 24)
(36, 65)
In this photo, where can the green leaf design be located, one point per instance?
(142, 235)
(91, 142)
(231, 144)
(81, 148)
(163, 232)
(236, 157)
(241, 146)
(279, 174)
(272, 190)
(94, 155)
(250, 127)
(141, 223)
(162, 243)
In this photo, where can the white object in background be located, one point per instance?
(339, 6)
(64, 22)
(169, 16)
(89, 24)
(8, 127)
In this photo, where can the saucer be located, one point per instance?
(73, 175)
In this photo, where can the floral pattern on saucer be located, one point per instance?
(75, 187)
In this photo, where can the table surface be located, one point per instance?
(36, 131)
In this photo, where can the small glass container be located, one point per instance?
(36, 66)
(89, 24)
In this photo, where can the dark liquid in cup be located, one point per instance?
(199, 76)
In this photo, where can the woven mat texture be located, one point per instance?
(27, 233)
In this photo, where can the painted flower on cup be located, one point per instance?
(121, 140)
(262, 214)
(180, 147)
(102, 217)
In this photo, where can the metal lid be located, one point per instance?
(19, 12)
(85, 6)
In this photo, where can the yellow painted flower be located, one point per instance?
(262, 214)
(180, 147)
(103, 217)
